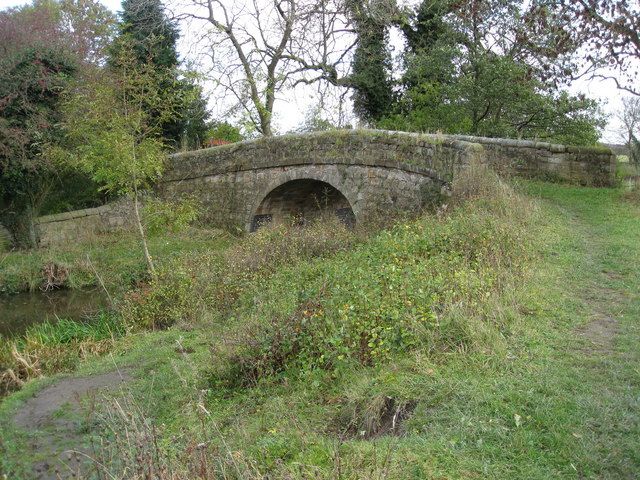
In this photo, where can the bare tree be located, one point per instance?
(257, 50)
(629, 117)
(604, 35)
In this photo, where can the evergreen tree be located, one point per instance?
(371, 66)
(152, 33)
(145, 25)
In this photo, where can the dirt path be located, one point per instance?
(599, 333)
(55, 415)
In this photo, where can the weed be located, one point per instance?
(423, 285)
(49, 348)
(162, 216)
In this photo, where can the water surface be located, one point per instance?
(20, 311)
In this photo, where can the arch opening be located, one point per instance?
(301, 202)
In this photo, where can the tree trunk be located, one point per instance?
(147, 256)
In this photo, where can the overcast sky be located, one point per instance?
(290, 112)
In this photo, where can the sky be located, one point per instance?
(290, 111)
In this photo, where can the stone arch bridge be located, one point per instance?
(353, 173)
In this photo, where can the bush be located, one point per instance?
(167, 299)
(162, 216)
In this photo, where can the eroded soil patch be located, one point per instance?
(599, 335)
(58, 418)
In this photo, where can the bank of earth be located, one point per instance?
(530, 372)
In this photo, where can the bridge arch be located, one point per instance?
(301, 198)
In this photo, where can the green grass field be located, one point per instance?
(500, 341)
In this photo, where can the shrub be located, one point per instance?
(167, 299)
(165, 216)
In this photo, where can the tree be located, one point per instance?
(424, 27)
(31, 82)
(261, 48)
(476, 73)
(89, 29)
(220, 133)
(604, 37)
(83, 28)
(370, 78)
(154, 37)
(42, 47)
(629, 118)
(110, 133)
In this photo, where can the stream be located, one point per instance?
(18, 312)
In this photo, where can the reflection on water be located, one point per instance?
(18, 312)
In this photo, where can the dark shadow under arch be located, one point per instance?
(300, 202)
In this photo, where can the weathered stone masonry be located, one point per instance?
(82, 224)
(374, 170)
(589, 166)
(360, 173)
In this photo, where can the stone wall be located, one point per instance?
(376, 171)
(80, 225)
(590, 166)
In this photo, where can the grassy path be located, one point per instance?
(602, 262)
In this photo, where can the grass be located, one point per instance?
(521, 361)
(116, 257)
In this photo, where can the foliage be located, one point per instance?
(459, 80)
(426, 26)
(419, 286)
(214, 280)
(72, 190)
(31, 82)
(44, 46)
(166, 216)
(89, 29)
(167, 299)
(542, 398)
(193, 118)
(371, 65)
(113, 127)
(83, 28)
(109, 135)
(152, 36)
(222, 132)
